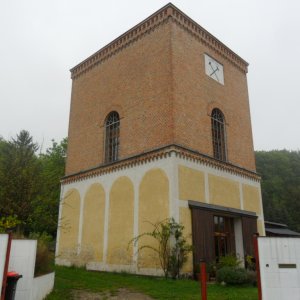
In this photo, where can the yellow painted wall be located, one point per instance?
(224, 191)
(120, 228)
(93, 224)
(191, 184)
(251, 198)
(185, 218)
(261, 227)
(153, 207)
(68, 240)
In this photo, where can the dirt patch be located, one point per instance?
(122, 294)
(81, 295)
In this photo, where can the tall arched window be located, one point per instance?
(218, 134)
(112, 133)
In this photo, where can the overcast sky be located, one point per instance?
(41, 40)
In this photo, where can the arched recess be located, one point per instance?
(153, 208)
(93, 223)
(69, 225)
(120, 228)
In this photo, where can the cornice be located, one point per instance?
(150, 24)
(206, 38)
(158, 154)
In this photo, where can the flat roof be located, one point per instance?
(282, 231)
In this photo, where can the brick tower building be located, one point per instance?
(159, 127)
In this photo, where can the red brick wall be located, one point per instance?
(136, 82)
(159, 87)
(196, 94)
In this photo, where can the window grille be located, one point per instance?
(218, 134)
(112, 134)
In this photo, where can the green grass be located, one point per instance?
(68, 279)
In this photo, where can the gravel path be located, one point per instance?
(122, 294)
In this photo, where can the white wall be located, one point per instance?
(3, 248)
(279, 260)
(42, 286)
(238, 233)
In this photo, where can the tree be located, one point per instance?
(44, 214)
(19, 176)
(30, 183)
(280, 171)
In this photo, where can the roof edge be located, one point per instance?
(155, 19)
(221, 209)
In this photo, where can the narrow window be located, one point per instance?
(112, 133)
(218, 134)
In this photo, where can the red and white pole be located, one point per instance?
(202, 280)
(6, 266)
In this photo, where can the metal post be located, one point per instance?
(256, 255)
(6, 266)
(203, 281)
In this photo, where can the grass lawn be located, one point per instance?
(68, 279)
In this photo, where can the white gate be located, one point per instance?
(279, 260)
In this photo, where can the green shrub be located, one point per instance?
(44, 257)
(8, 222)
(250, 263)
(232, 275)
(252, 277)
(229, 260)
(211, 269)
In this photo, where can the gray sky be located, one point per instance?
(42, 40)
